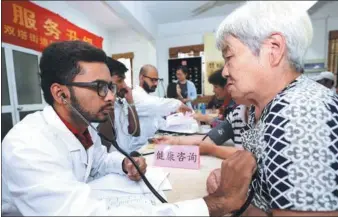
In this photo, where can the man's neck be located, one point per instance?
(76, 123)
(264, 96)
(183, 82)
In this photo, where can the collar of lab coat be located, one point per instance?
(62, 131)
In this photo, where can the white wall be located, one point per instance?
(128, 40)
(323, 21)
(76, 17)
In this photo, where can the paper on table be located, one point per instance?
(116, 199)
(117, 190)
(122, 183)
(179, 119)
(181, 123)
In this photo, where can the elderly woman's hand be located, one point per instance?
(213, 180)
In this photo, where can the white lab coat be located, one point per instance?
(121, 124)
(151, 110)
(45, 170)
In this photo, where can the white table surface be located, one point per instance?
(188, 183)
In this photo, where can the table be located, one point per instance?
(200, 130)
(188, 184)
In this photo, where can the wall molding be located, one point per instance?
(173, 51)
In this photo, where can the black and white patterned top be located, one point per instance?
(296, 146)
(237, 119)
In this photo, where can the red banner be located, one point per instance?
(27, 25)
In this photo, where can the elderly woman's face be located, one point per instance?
(242, 68)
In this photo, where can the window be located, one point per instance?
(129, 77)
(127, 60)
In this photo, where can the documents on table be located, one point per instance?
(118, 190)
(117, 182)
(181, 123)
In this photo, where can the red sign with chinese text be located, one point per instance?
(28, 25)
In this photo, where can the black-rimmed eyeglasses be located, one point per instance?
(152, 79)
(101, 87)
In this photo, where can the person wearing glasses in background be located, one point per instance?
(124, 122)
(151, 109)
(185, 88)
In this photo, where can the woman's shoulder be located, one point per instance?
(190, 83)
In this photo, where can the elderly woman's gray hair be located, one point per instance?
(253, 22)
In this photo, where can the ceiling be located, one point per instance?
(175, 11)
(100, 13)
(161, 11)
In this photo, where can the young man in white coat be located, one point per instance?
(124, 122)
(49, 156)
(151, 109)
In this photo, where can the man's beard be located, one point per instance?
(149, 89)
(89, 116)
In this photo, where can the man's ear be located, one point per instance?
(141, 78)
(277, 45)
(58, 92)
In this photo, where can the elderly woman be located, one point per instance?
(293, 120)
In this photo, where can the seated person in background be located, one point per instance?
(211, 146)
(151, 109)
(327, 80)
(215, 103)
(125, 122)
(220, 89)
(186, 89)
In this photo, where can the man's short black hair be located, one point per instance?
(59, 63)
(184, 69)
(216, 78)
(116, 67)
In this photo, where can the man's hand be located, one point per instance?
(171, 140)
(183, 108)
(236, 173)
(128, 95)
(131, 171)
